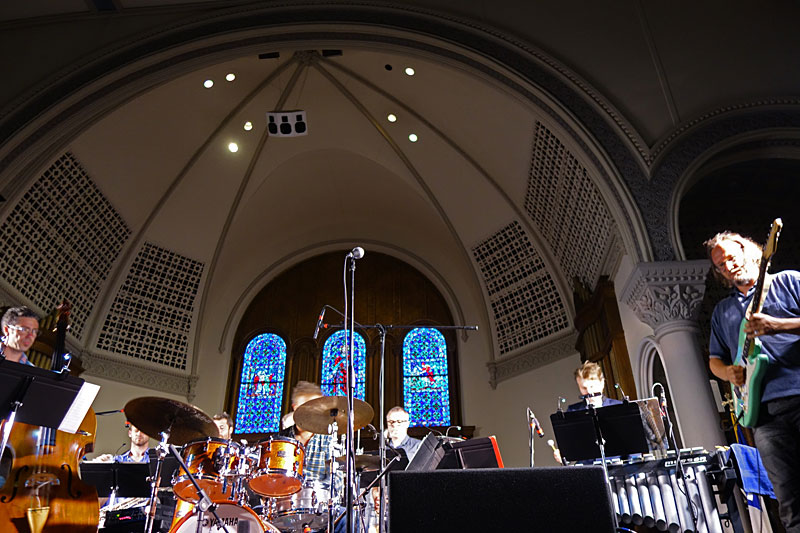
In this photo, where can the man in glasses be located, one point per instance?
(20, 328)
(397, 431)
(736, 261)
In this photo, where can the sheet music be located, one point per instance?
(79, 408)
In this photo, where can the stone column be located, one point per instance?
(667, 296)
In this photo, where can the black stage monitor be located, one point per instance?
(544, 500)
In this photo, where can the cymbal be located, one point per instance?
(185, 423)
(316, 415)
(365, 462)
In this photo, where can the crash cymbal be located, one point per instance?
(185, 423)
(316, 415)
(364, 462)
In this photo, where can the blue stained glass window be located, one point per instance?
(334, 365)
(426, 392)
(261, 387)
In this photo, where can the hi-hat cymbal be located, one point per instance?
(316, 415)
(365, 462)
(185, 423)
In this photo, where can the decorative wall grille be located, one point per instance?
(61, 240)
(524, 298)
(151, 316)
(564, 203)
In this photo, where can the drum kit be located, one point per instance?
(219, 479)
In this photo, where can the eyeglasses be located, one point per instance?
(24, 331)
(396, 422)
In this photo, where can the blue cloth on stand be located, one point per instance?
(754, 476)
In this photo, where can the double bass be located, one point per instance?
(43, 492)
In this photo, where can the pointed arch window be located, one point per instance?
(334, 365)
(261, 385)
(426, 384)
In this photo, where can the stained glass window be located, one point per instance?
(334, 365)
(261, 385)
(426, 392)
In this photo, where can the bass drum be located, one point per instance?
(234, 517)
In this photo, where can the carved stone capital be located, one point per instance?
(666, 292)
(544, 354)
(134, 374)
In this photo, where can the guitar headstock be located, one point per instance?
(772, 241)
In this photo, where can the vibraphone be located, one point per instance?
(650, 492)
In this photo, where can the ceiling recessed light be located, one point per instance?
(230, 76)
(233, 147)
(391, 117)
(413, 137)
(409, 71)
(208, 84)
(248, 126)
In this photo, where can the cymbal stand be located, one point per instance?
(204, 503)
(155, 482)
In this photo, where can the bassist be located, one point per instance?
(736, 261)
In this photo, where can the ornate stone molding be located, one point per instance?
(541, 355)
(160, 380)
(665, 292)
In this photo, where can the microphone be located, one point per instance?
(319, 321)
(662, 399)
(535, 423)
(356, 253)
(457, 428)
(590, 395)
(102, 413)
(624, 396)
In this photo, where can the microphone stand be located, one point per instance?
(530, 436)
(381, 388)
(601, 443)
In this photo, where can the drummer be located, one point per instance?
(224, 424)
(318, 448)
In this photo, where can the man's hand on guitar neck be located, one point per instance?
(761, 324)
(732, 373)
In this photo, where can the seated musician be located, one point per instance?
(591, 383)
(318, 448)
(140, 444)
(224, 424)
(397, 420)
(20, 329)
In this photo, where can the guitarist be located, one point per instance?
(736, 261)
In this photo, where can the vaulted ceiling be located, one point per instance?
(549, 142)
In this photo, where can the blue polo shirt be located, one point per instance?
(783, 349)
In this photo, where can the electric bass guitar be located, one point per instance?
(747, 397)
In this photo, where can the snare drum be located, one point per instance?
(235, 518)
(306, 508)
(210, 461)
(280, 467)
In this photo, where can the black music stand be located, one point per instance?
(129, 478)
(621, 427)
(40, 397)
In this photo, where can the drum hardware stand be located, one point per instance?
(204, 503)
(333, 429)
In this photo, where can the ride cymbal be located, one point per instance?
(184, 422)
(316, 415)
